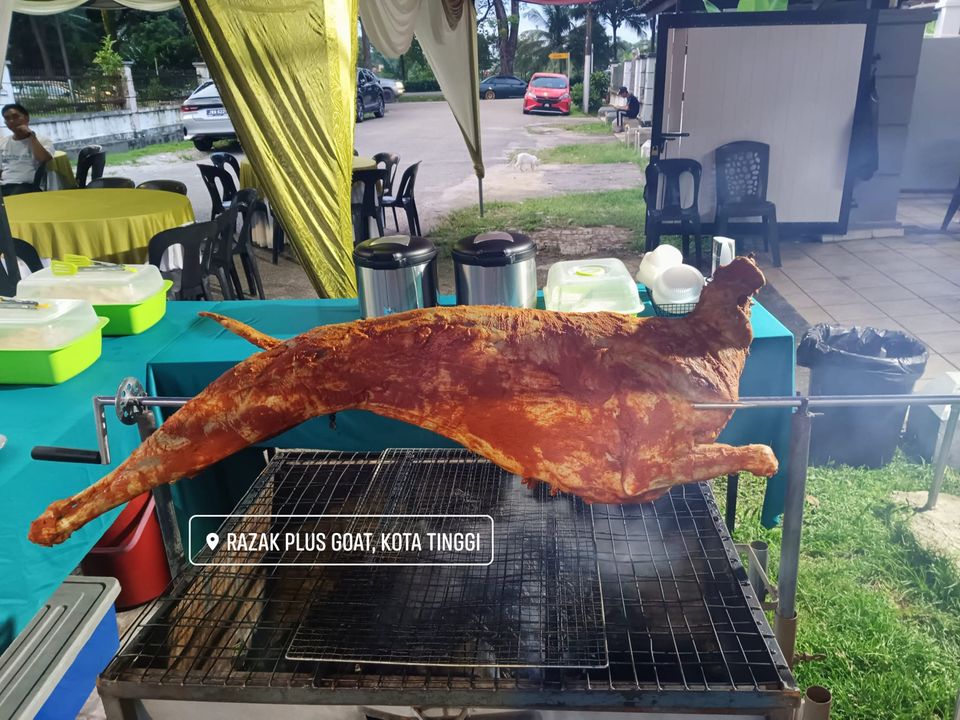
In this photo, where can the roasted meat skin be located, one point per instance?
(595, 404)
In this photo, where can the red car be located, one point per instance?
(547, 92)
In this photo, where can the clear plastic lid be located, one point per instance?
(592, 286)
(100, 287)
(50, 325)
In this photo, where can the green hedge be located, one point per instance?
(421, 86)
(599, 85)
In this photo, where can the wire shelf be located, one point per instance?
(682, 626)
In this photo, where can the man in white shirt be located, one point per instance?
(22, 153)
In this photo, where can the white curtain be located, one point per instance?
(51, 7)
(447, 31)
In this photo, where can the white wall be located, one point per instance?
(111, 128)
(932, 159)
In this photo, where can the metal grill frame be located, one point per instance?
(551, 689)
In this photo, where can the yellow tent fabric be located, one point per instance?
(286, 70)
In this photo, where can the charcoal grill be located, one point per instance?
(643, 607)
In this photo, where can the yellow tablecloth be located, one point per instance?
(248, 178)
(104, 224)
(60, 172)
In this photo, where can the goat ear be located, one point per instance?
(243, 330)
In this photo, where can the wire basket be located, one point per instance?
(671, 309)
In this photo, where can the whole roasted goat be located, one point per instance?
(596, 404)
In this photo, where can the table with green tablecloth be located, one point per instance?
(113, 224)
(180, 356)
(60, 174)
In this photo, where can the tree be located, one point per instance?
(364, 47)
(508, 30)
(532, 53)
(158, 40)
(603, 53)
(556, 23)
(617, 13)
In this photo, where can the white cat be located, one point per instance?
(523, 160)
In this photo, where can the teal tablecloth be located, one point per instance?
(180, 356)
(63, 415)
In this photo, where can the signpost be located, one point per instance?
(561, 56)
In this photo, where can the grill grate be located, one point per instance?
(536, 605)
(680, 619)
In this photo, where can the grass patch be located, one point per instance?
(885, 611)
(595, 127)
(421, 97)
(622, 208)
(590, 153)
(130, 157)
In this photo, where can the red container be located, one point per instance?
(127, 518)
(136, 558)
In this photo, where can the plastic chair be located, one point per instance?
(40, 178)
(22, 250)
(250, 211)
(220, 197)
(390, 163)
(111, 182)
(952, 208)
(669, 214)
(742, 171)
(223, 159)
(219, 261)
(91, 160)
(174, 186)
(190, 282)
(368, 208)
(404, 199)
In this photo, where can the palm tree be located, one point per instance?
(618, 13)
(555, 21)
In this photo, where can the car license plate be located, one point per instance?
(216, 112)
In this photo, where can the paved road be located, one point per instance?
(424, 131)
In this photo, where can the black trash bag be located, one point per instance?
(859, 361)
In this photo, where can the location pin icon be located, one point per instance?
(213, 540)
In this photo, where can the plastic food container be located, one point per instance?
(678, 285)
(133, 299)
(47, 344)
(592, 286)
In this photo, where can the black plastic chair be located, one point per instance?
(111, 182)
(90, 161)
(390, 162)
(666, 214)
(404, 200)
(250, 211)
(40, 178)
(368, 208)
(952, 208)
(223, 159)
(190, 282)
(742, 171)
(219, 262)
(220, 197)
(22, 250)
(174, 186)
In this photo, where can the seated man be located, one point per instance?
(633, 108)
(22, 153)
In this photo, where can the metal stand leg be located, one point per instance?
(940, 469)
(733, 486)
(785, 620)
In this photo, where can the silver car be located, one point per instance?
(392, 89)
(205, 118)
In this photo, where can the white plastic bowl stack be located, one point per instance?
(655, 262)
(677, 285)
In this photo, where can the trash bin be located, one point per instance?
(859, 361)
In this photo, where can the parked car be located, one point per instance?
(205, 118)
(369, 95)
(547, 92)
(392, 89)
(502, 86)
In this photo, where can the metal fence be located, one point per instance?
(62, 94)
(93, 92)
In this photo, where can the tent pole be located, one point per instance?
(480, 187)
